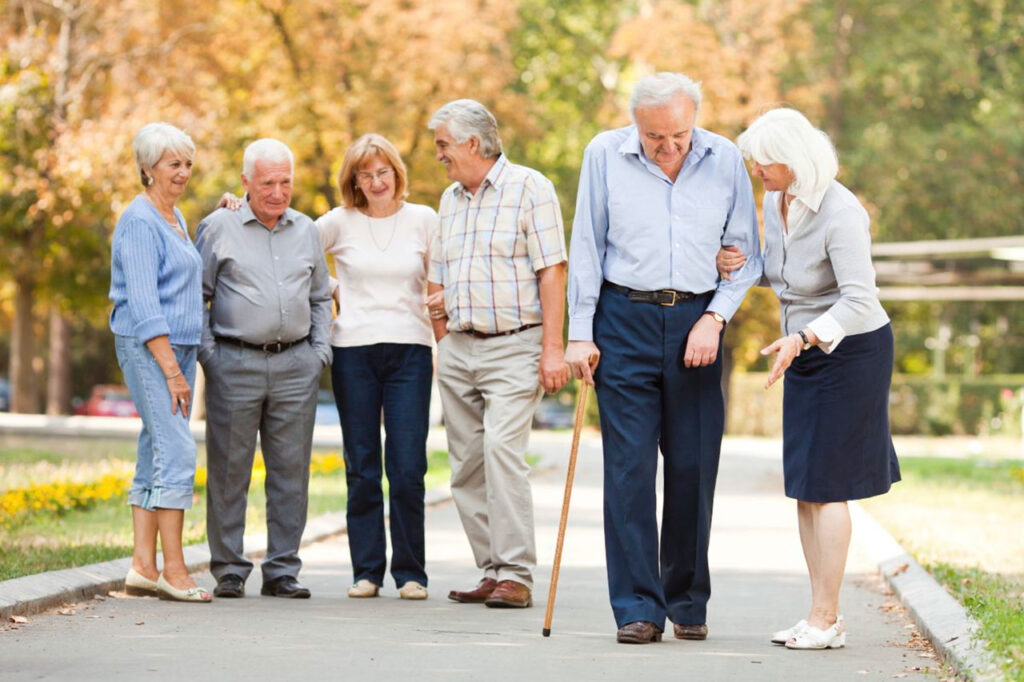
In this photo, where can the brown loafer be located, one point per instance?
(510, 595)
(477, 595)
(638, 632)
(699, 631)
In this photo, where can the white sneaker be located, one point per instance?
(363, 589)
(412, 590)
(783, 636)
(832, 637)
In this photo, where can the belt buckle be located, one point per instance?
(275, 347)
(671, 303)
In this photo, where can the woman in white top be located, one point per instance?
(382, 342)
(836, 353)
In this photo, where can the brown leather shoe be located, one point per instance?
(699, 631)
(510, 595)
(477, 595)
(638, 632)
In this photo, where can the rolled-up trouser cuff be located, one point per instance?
(151, 499)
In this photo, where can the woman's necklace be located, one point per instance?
(394, 228)
(173, 222)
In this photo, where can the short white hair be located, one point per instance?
(786, 136)
(661, 88)
(266, 149)
(468, 118)
(156, 139)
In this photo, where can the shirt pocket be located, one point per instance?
(709, 224)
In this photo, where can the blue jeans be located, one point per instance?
(394, 377)
(165, 467)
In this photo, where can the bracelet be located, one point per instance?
(807, 343)
(173, 376)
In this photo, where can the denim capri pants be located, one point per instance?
(165, 467)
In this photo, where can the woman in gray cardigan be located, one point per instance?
(836, 352)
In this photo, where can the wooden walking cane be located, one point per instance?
(581, 403)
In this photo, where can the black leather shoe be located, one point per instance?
(229, 586)
(285, 586)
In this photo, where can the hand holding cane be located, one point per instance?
(581, 403)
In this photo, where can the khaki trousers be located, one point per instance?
(490, 391)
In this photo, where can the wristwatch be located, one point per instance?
(715, 316)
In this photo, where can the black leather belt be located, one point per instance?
(665, 297)
(275, 347)
(490, 335)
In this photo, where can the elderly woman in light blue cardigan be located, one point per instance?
(157, 320)
(836, 352)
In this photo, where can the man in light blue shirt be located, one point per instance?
(646, 312)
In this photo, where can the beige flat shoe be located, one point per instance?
(167, 591)
(412, 590)
(138, 585)
(363, 589)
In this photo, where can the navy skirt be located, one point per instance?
(835, 421)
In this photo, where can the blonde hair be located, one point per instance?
(362, 150)
(786, 136)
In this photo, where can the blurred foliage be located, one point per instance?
(924, 103)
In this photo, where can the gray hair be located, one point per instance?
(468, 118)
(661, 88)
(266, 149)
(786, 136)
(156, 139)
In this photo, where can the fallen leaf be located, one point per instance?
(140, 622)
(901, 569)
(99, 597)
(863, 672)
(93, 617)
(20, 620)
(66, 612)
(926, 654)
(965, 581)
(900, 675)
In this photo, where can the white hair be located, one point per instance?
(468, 118)
(661, 88)
(266, 149)
(156, 139)
(786, 136)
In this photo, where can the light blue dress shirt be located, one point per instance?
(636, 228)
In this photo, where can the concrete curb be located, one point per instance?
(940, 617)
(36, 593)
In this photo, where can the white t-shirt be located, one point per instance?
(381, 267)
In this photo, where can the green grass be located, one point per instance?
(963, 520)
(103, 532)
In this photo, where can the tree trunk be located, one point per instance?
(23, 379)
(58, 379)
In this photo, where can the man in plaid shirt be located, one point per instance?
(497, 279)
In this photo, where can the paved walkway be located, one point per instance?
(757, 572)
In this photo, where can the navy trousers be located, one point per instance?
(648, 398)
(394, 377)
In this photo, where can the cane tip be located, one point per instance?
(546, 632)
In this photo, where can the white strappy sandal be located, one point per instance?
(783, 636)
(832, 637)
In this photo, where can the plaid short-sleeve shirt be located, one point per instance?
(490, 246)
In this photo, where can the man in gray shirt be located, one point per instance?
(265, 343)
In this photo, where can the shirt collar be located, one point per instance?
(700, 145)
(813, 200)
(247, 216)
(495, 176)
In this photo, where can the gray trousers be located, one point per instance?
(274, 394)
(490, 391)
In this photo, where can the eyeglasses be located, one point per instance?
(383, 174)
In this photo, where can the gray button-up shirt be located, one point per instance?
(262, 285)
